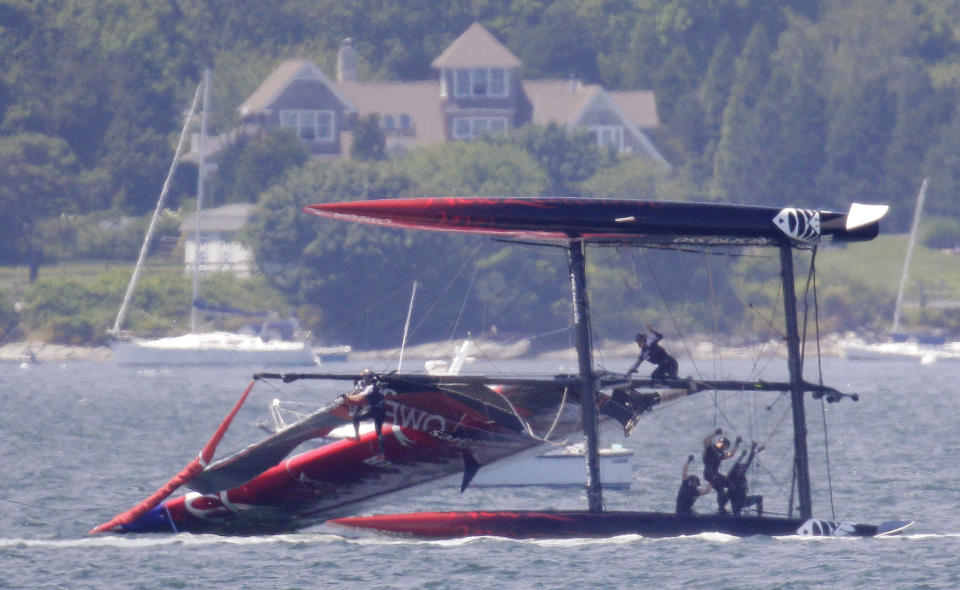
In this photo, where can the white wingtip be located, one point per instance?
(861, 215)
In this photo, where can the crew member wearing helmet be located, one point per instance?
(689, 490)
(368, 391)
(653, 352)
(737, 476)
(716, 449)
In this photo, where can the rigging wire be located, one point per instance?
(812, 282)
(673, 318)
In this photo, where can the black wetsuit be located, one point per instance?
(737, 479)
(653, 352)
(712, 457)
(687, 495)
(375, 409)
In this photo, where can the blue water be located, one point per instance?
(83, 441)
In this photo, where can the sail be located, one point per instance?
(600, 220)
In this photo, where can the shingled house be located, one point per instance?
(478, 90)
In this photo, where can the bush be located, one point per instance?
(9, 318)
(103, 237)
(66, 311)
(942, 233)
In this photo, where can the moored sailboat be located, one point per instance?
(196, 347)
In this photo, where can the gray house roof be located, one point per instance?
(226, 219)
(476, 47)
(278, 81)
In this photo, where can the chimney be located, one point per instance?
(347, 61)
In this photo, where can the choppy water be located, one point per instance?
(83, 441)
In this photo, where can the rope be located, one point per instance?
(526, 425)
(811, 285)
(673, 318)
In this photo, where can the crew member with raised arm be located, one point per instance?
(689, 490)
(716, 449)
(653, 352)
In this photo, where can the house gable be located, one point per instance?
(297, 95)
(478, 91)
(612, 126)
(476, 47)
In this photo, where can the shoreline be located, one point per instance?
(36, 351)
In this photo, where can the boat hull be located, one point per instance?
(214, 348)
(558, 469)
(584, 524)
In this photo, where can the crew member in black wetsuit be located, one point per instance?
(368, 391)
(653, 352)
(689, 490)
(737, 476)
(716, 449)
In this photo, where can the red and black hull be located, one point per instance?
(584, 524)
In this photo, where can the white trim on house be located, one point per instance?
(469, 127)
(481, 82)
(608, 135)
(311, 125)
(631, 127)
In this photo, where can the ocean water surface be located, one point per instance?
(84, 441)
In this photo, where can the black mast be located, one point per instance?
(581, 326)
(794, 363)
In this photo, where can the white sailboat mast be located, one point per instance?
(201, 181)
(122, 314)
(906, 262)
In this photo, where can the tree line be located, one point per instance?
(816, 103)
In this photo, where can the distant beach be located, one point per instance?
(698, 348)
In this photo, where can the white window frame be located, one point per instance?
(608, 135)
(310, 125)
(470, 127)
(481, 82)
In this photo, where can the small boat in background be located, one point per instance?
(560, 467)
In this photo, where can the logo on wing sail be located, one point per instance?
(800, 224)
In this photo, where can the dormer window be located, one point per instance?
(478, 82)
(309, 125)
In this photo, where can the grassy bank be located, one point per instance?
(856, 281)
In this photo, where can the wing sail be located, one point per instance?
(611, 219)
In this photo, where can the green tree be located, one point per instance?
(560, 44)
(921, 111)
(737, 161)
(35, 183)
(566, 158)
(857, 134)
(475, 169)
(631, 178)
(368, 139)
(253, 164)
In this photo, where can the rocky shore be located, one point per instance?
(831, 345)
(43, 352)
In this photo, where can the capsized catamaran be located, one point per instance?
(438, 425)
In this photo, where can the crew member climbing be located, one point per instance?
(653, 352)
(367, 391)
(716, 449)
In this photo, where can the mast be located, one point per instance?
(906, 262)
(795, 365)
(128, 295)
(588, 400)
(201, 177)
